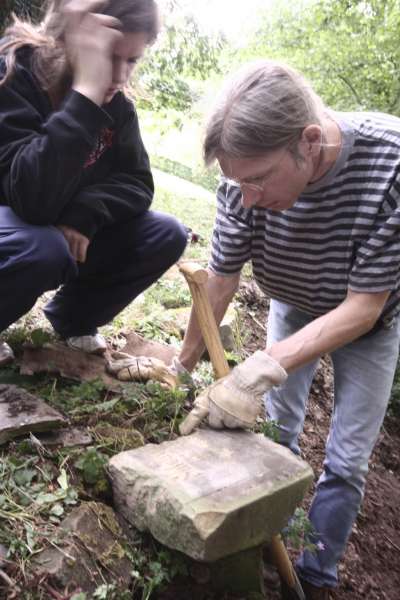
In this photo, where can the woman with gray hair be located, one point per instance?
(311, 197)
(75, 178)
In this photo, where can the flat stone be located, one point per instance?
(88, 551)
(67, 362)
(67, 438)
(136, 345)
(210, 494)
(22, 412)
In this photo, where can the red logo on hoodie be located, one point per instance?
(105, 140)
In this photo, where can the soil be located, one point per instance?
(371, 565)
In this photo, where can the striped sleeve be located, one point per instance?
(377, 262)
(231, 239)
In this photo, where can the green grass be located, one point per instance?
(196, 213)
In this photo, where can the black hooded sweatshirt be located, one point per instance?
(80, 165)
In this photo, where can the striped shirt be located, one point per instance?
(343, 232)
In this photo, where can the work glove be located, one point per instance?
(141, 368)
(235, 401)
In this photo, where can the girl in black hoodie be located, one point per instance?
(75, 179)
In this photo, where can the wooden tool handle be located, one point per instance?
(196, 278)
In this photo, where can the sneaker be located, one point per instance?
(92, 344)
(6, 354)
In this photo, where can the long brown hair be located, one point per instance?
(49, 62)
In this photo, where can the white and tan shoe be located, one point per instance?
(92, 344)
(6, 354)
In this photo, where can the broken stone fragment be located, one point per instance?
(89, 550)
(136, 345)
(22, 412)
(68, 362)
(210, 494)
(74, 436)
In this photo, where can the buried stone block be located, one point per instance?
(211, 494)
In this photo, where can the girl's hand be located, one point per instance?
(77, 242)
(90, 39)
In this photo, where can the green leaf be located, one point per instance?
(57, 510)
(92, 465)
(40, 337)
(23, 477)
(62, 480)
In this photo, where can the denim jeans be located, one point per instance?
(122, 261)
(363, 377)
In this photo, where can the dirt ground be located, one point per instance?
(371, 565)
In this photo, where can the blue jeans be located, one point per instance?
(363, 377)
(122, 260)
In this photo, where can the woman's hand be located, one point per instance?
(90, 39)
(77, 242)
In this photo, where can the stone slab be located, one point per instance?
(67, 438)
(68, 362)
(88, 551)
(22, 412)
(140, 346)
(210, 494)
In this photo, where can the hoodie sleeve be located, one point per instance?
(125, 192)
(42, 158)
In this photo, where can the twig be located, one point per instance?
(256, 321)
(392, 543)
(6, 578)
(62, 551)
(53, 593)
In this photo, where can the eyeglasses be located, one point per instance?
(258, 184)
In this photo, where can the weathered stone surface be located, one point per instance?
(209, 494)
(136, 345)
(69, 363)
(240, 573)
(74, 436)
(89, 551)
(21, 412)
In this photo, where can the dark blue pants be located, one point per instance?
(122, 261)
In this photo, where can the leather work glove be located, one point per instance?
(126, 367)
(235, 401)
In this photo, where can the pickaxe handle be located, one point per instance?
(196, 278)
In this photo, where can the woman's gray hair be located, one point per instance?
(264, 107)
